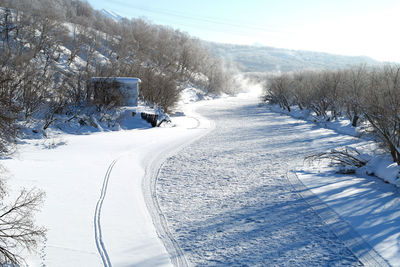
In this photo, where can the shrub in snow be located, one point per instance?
(347, 159)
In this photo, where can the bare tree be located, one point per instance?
(35, 35)
(278, 91)
(381, 105)
(355, 80)
(361, 92)
(6, 26)
(159, 89)
(17, 228)
(301, 87)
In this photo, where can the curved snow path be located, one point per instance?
(227, 200)
(97, 218)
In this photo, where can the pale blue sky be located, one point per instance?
(349, 27)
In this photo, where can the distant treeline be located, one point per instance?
(363, 94)
(50, 49)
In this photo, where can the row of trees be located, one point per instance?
(362, 94)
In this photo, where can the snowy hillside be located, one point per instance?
(271, 59)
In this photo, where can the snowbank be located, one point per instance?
(384, 168)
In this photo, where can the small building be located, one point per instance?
(127, 86)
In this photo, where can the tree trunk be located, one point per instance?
(354, 121)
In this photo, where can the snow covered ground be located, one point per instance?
(75, 177)
(225, 199)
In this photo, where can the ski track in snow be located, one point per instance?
(97, 218)
(227, 201)
(197, 123)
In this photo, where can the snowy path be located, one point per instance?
(227, 199)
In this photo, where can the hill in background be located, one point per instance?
(269, 59)
(260, 58)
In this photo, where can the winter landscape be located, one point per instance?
(127, 142)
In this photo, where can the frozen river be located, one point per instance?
(227, 199)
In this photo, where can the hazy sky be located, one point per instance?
(348, 27)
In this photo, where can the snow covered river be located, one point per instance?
(227, 199)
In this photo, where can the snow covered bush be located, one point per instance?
(347, 159)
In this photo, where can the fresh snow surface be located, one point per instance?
(74, 170)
